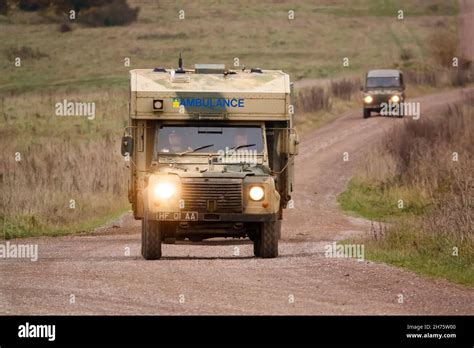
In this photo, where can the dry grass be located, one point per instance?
(345, 88)
(24, 52)
(427, 77)
(62, 158)
(443, 47)
(429, 164)
(420, 154)
(313, 99)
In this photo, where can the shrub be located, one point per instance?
(64, 28)
(114, 13)
(406, 55)
(313, 99)
(422, 77)
(344, 88)
(90, 12)
(3, 7)
(60, 5)
(33, 5)
(444, 46)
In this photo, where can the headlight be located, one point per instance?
(256, 193)
(164, 190)
(368, 99)
(395, 98)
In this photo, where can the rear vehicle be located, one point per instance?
(382, 86)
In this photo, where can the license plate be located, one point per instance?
(178, 216)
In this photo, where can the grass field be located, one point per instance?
(65, 158)
(431, 231)
(259, 33)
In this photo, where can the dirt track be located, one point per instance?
(213, 281)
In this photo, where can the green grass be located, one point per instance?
(389, 8)
(433, 262)
(376, 202)
(109, 82)
(400, 242)
(31, 226)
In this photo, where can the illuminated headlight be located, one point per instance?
(368, 99)
(164, 190)
(256, 193)
(395, 99)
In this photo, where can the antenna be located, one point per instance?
(180, 65)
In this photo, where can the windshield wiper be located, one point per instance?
(241, 146)
(196, 149)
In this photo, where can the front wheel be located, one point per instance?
(366, 113)
(256, 246)
(151, 239)
(151, 236)
(268, 239)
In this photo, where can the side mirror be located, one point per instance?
(127, 145)
(293, 144)
(361, 88)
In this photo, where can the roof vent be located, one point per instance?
(209, 68)
(159, 69)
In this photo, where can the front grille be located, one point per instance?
(381, 98)
(212, 195)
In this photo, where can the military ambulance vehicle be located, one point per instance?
(211, 154)
(382, 86)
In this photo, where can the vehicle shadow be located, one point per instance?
(213, 242)
(184, 258)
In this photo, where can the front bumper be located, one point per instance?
(372, 106)
(209, 217)
(376, 104)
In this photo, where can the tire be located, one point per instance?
(256, 246)
(278, 227)
(255, 238)
(366, 113)
(151, 236)
(151, 239)
(269, 239)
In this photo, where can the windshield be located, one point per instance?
(383, 82)
(194, 139)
